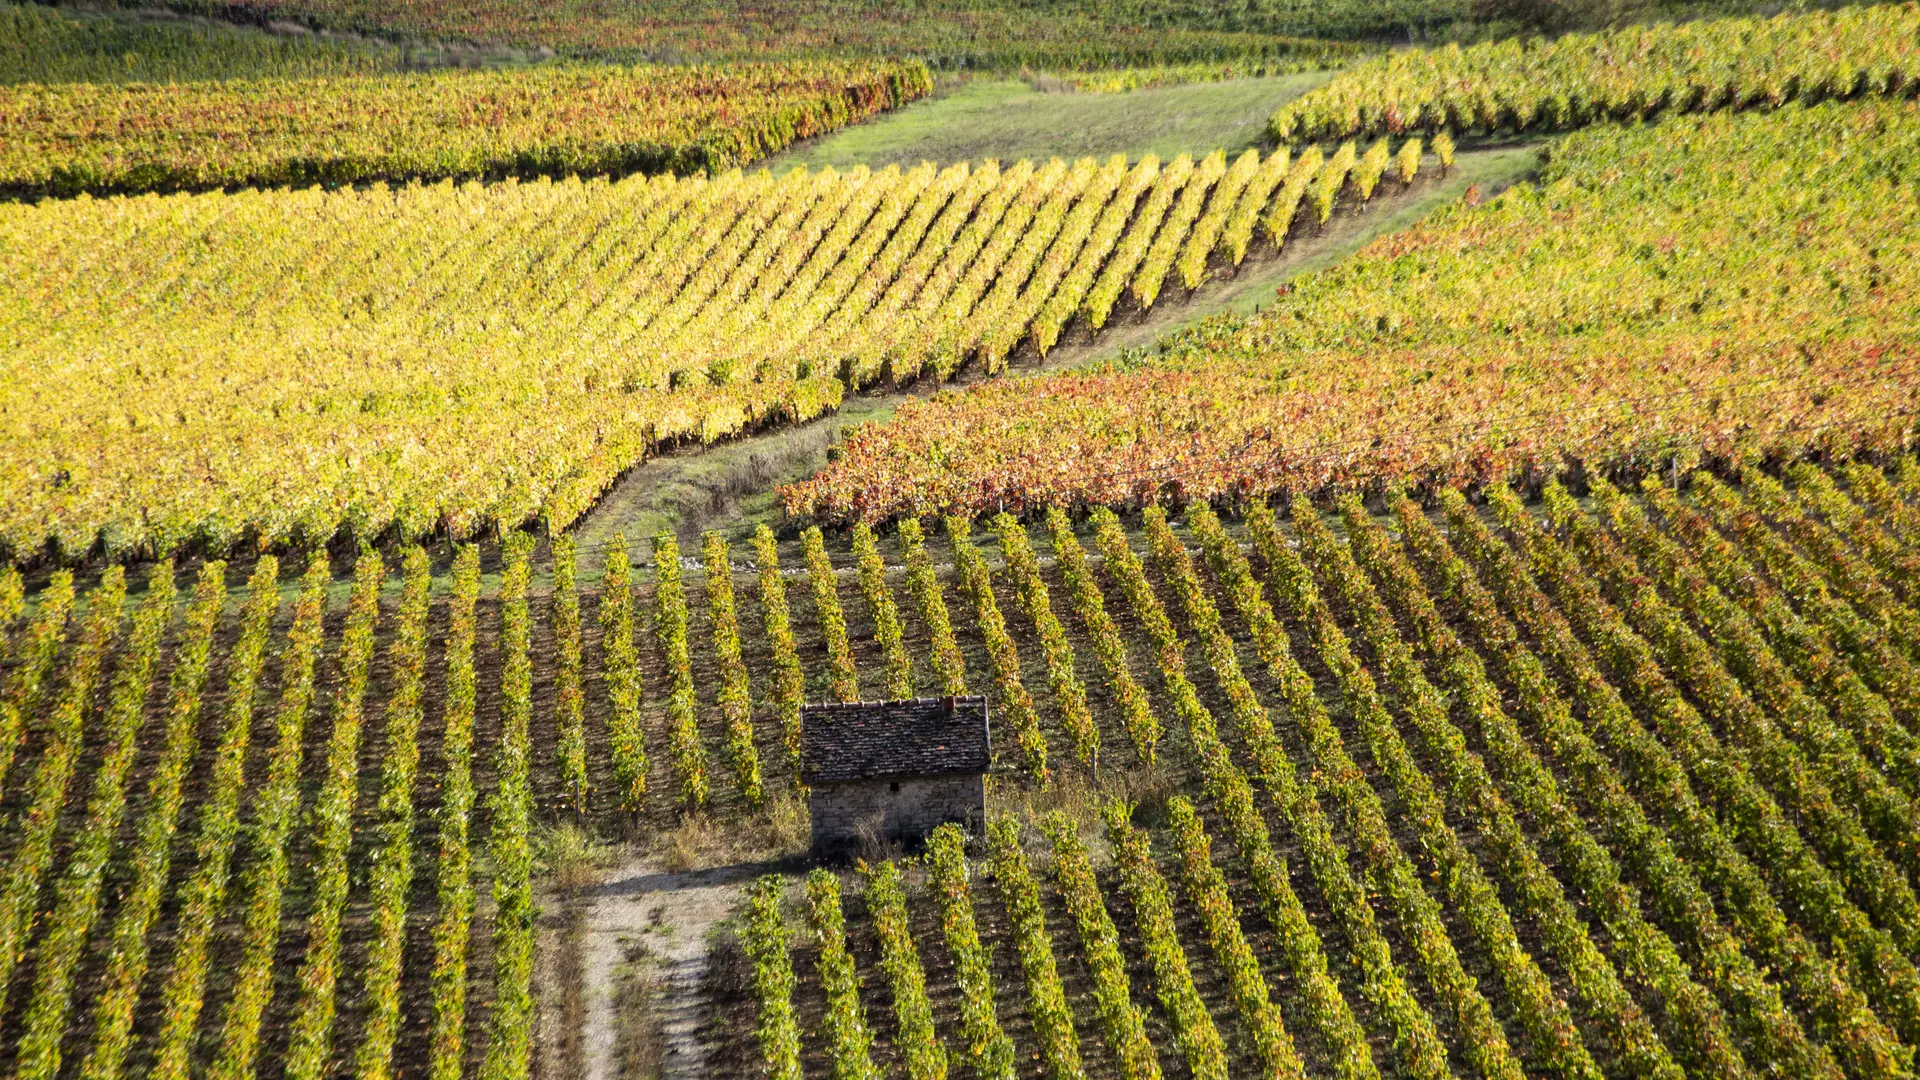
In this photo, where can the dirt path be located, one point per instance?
(648, 927)
(731, 485)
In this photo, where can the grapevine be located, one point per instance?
(621, 673)
(1371, 167)
(1207, 888)
(1330, 180)
(736, 702)
(1046, 998)
(1406, 162)
(1278, 218)
(277, 811)
(205, 893)
(926, 1056)
(1626, 74)
(1389, 869)
(33, 654)
(510, 1024)
(78, 896)
(1107, 233)
(847, 1036)
(1180, 218)
(1849, 574)
(1153, 911)
(843, 683)
(1127, 255)
(1868, 482)
(1112, 990)
(1641, 952)
(28, 863)
(1069, 696)
(131, 950)
(1810, 645)
(1673, 884)
(1774, 762)
(12, 598)
(670, 619)
(947, 662)
(886, 618)
(310, 1045)
(789, 682)
(1143, 727)
(569, 700)
(989, 1053)
(1014, 703)
(1368, 375)
(454, 865)
(1695, 755)
(1237, 234)
(766, 944)
(393, 866)
(449, 123)
(1831, 748)
(1206, 232)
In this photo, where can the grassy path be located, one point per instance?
(1010, 120)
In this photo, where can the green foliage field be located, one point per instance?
(54, 45)
(999, 35)
(1009, 119)
(962, 35)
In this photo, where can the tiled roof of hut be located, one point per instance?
(866, 740)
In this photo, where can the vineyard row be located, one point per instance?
(1636, 305)
(1627, 789)
(407, 330)
(1649, 814)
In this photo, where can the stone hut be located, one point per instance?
(893, 769)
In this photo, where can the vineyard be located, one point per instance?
(963, 35)
(1623, 75)
(416, 333)
(634, 313)
(1614, 785)
(1639, 303)
(1000, 35)
(1443, 573)
(544, 120)
(46, 45)
(1606, 786)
